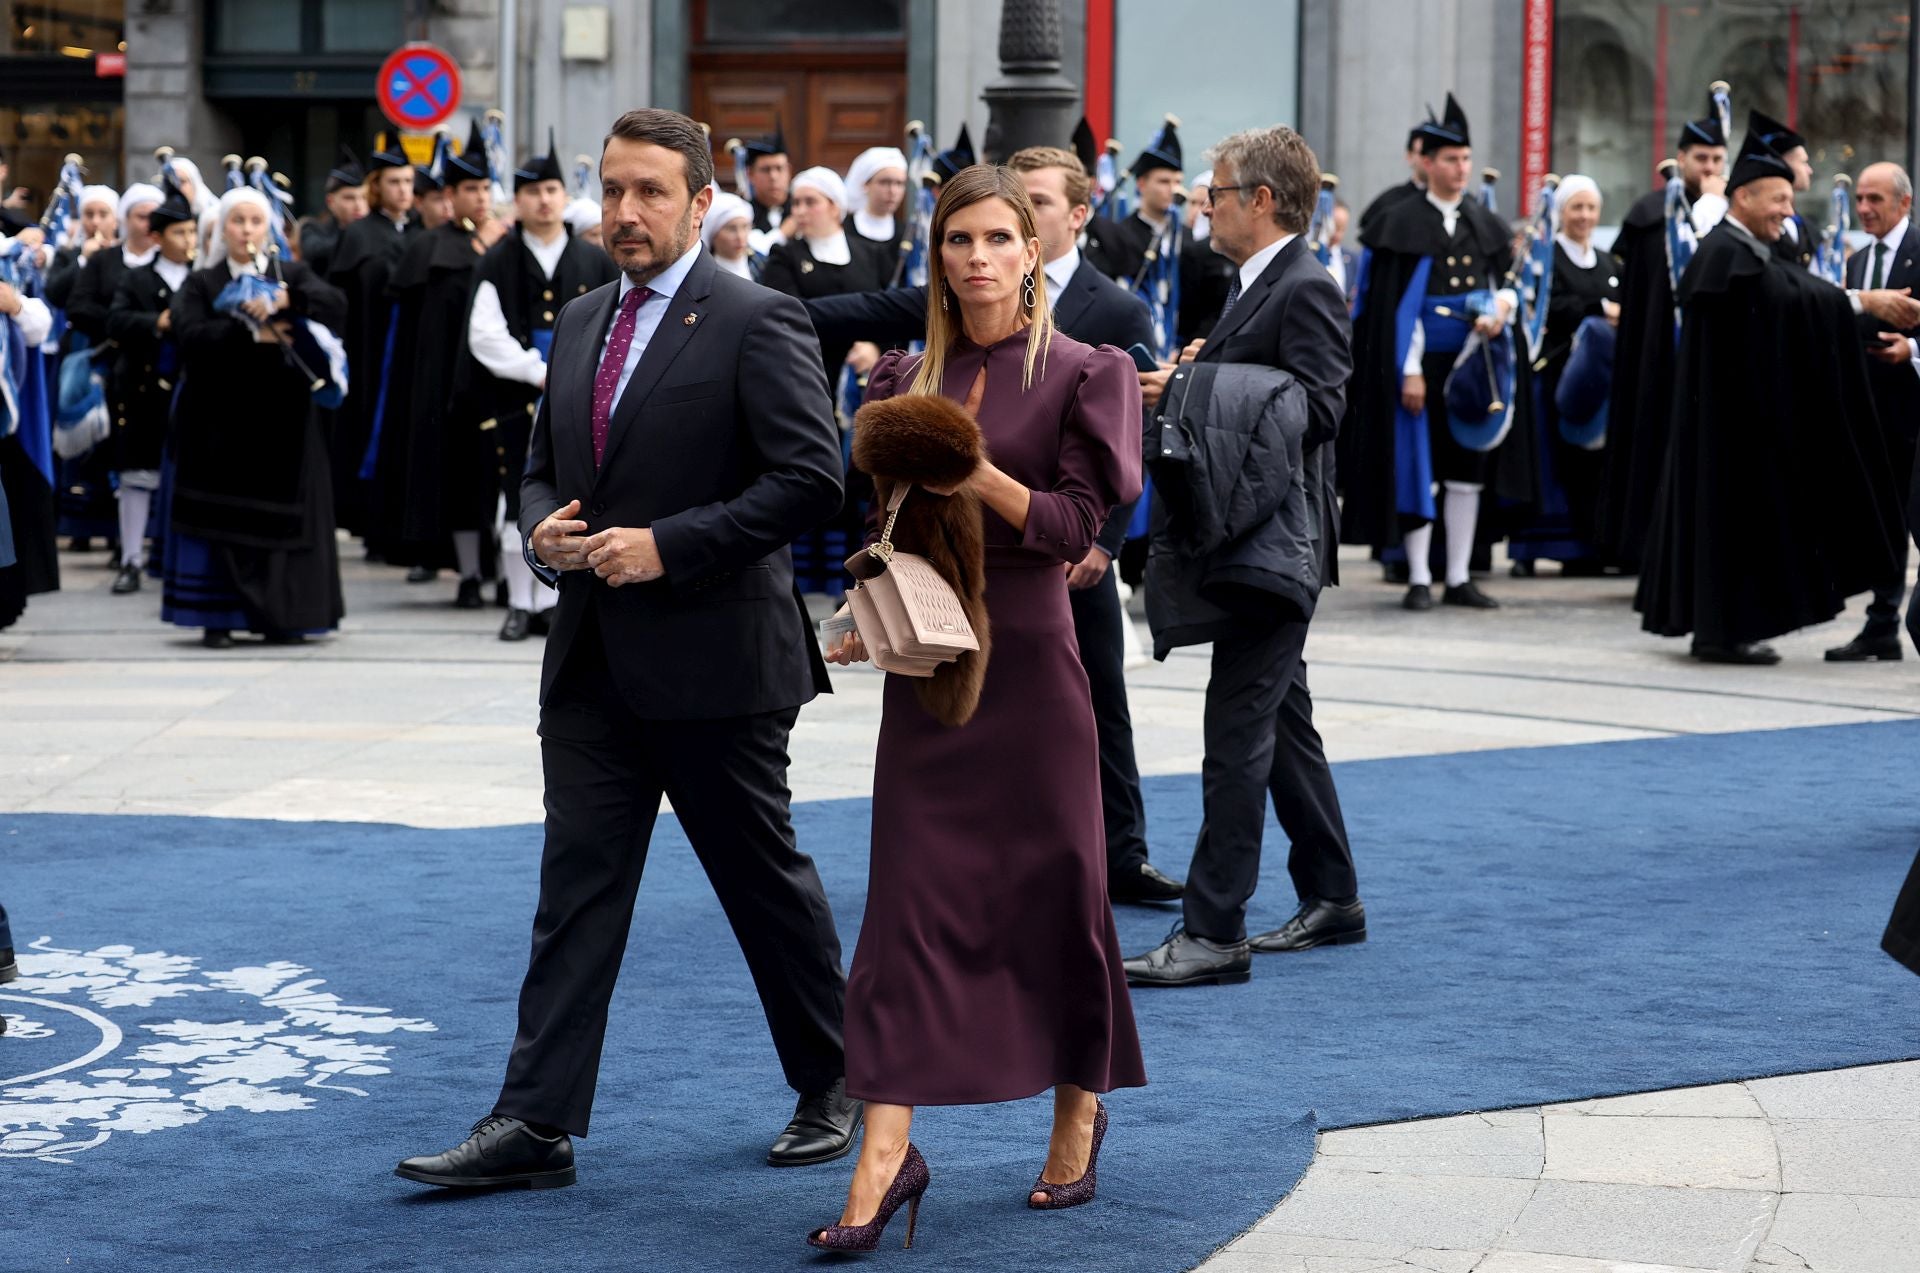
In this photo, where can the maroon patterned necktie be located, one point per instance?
(606, 382)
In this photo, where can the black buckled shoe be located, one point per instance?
(1144, 883)
(1316, 923)
(499, 1151)
(468, 598)
(1467, 594)
(821, 1129)
(128, 580)
(1186, 960)
(1744, 654)
(517, 625)
(1419, 597)
(1867, 648)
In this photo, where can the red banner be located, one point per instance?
(1536, 103)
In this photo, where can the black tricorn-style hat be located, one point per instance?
(948, 163)
(1703, 132)
(1449, 130)
(387, 153)
(1162, 152)
(1777, 135)
(346, 170)
(762, 147)
(546, 168)
(1085, 147)
(471, 163)
(1755, 161)
(173, 209)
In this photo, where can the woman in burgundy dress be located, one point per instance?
(988, 968)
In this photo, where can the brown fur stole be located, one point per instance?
(926, 439)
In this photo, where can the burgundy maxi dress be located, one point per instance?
(988, 968)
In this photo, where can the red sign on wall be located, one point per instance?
(1536, 102)
(109, 66)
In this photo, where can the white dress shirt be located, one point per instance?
(488, 336)
(172, 273)
(1892, 239)
(1254, 266)
(647, 320)
(1417, 347)
(1337, 266)
(1060, 272)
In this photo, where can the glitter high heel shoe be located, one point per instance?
(1074, 1192)
(909, 1183)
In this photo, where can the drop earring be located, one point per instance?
(943, 296)
(1029, 297)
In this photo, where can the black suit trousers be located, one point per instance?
(1883, 612)
(606, 770)
(1261, 741)
(1097, 620)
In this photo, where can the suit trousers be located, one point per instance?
(1261, 741)
(606, 770)
(1883, 612)
(1097, 620)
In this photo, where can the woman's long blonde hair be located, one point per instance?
(968, 187)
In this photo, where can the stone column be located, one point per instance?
(1032, 103)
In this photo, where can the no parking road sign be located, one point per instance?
(419, 86)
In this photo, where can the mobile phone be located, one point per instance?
(1143, 357)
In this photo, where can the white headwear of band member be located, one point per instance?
(582, 215)
(726, 209)
(826, 181)
(202, 197)
(1202, 223)
(1577, 183)
(234, 198)
(869, 163)
(136, 194)
(100, 194)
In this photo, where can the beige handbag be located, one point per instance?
(908, 615)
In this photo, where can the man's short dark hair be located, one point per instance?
(672, 130)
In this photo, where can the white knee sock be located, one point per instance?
(514, 569)
(1419, 546)
(134, 505)
(1462, 514)
(466, 551)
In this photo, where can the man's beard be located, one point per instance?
(676, 247)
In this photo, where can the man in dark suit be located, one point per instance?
(1884, 198)
(1284, 311)
(1095, 310)
(685, 439)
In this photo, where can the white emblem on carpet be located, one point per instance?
(264, 1039)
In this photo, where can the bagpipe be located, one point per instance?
(61, 221)
(1109, 195)
(1680, 237)
(1483, 386)
(308, 347)
(1158, 283)
(1830, 254)
(923, 192)
(583, 178)
(1322, 223)
(493, 132)
(274, 188)
(1489, 190)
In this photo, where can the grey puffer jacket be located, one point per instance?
(1236, 521)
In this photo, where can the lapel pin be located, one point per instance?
(690, 319)
(806, 267)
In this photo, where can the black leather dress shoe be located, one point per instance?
(1316, 923)
(128, 580)
(1467, 594)
(517, 625)
(1144, 883)
(821, 1129)
(217, 639)
(468, 598)
(1186, 960)
(1746, 654)
(499, 1151)
(8, 968)
(1868, 649)
(1419, 597)
(421, 574)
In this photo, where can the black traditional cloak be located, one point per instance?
(1777, 503)
(363, 264)
(530, 301)
(146, 366)
(1638, 414)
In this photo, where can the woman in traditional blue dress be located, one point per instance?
(250, 501)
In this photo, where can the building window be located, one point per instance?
(1628, 74)
(241, 28)
(761, 21)
(360, 26)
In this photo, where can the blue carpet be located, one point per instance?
(1547, 924)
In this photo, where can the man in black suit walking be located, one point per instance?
(1283, 310)
(685, 439)
(1093, 309)
(1884, 198)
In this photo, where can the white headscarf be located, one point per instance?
(726, 209)
(100, 194)
(865, 167)
(202, 197)
(582, 215)
(228, 202)
(826, 181)
(1203, 224)
(136, 194)
(1582, 254)
(1576, 183)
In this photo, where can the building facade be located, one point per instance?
(1599, 86)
